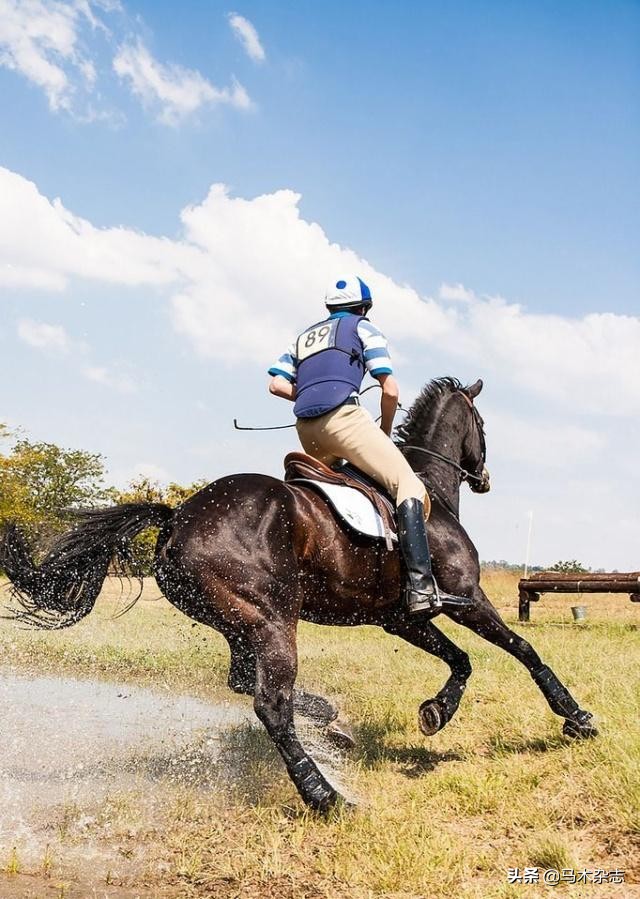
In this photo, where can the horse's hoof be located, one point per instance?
(580, 727)
(430, 717)
(325, 801)
(340, 735)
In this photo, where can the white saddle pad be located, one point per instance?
(353, 507)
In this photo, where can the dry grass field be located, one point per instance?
(498, 788)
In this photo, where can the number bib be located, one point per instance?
(317, 338)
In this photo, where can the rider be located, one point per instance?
(322, 372)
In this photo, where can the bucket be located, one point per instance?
(579, 613)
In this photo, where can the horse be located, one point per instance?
(249, 555)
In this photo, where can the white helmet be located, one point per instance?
(348, 293)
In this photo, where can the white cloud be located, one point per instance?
(109, 378)
(561, 402)
(456, 293)
(55, 339)
(44, 336)
(539, 443)
(43, 245)
(246, 33)
(246, 272)
(590, 363)
(177, 92)
(52, 44)
(261, 266)
(40, 40)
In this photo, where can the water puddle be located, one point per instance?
(60, 735)
(71, 748)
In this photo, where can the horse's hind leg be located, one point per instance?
(242, 679)
(484, 620)
(435, 713)
(276, 669)
(242, 669)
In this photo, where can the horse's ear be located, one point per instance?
(474, 389)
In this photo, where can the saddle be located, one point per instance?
(305, 469)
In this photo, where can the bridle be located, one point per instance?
(478, 426)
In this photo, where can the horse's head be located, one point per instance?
(443, 437)
(474, 449)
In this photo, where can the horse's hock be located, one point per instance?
(531, 588)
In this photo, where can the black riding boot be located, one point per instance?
(421, 591)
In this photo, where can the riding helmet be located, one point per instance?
(348, 293)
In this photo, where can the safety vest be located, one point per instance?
(330, 365)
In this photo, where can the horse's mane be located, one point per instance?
(425, 409)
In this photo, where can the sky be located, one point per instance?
(180, 182)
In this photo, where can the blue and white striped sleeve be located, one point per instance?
(376, 354)
(286, 365)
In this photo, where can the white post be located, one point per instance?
(528, 555)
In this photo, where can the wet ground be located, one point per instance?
(78, 756)
(72, 750)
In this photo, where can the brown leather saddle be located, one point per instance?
(303, 468)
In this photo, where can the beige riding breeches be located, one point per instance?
(349, 432)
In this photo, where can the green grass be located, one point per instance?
(499, 787)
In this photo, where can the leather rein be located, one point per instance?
(464, 474)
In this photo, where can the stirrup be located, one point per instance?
(437, 602)
(454, 602)
(418, 603)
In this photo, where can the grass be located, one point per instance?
(499, 787)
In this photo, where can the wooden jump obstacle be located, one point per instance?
(530, 588)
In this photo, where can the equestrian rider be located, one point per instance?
(322, 372)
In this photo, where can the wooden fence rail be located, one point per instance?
(530, 588)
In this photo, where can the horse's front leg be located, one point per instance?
(276, 668)
(483, 619)
(435, 713)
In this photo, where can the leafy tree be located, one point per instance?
(40, 483)
(569, 567)
(144, 490)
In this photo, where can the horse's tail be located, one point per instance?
(63, 588)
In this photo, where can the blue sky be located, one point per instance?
(488, 147)
(503, 136)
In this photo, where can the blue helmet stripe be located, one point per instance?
(364, 290)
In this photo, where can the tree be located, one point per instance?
(144, 490)
(40, 483)
(569, 567)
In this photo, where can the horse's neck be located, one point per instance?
(444, 437)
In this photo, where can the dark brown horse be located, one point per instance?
(249, 555)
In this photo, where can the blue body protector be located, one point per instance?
(330, 365)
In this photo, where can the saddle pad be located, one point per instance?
(352, 506)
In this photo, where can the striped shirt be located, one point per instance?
(376, 353)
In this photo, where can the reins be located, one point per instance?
(464, 474)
